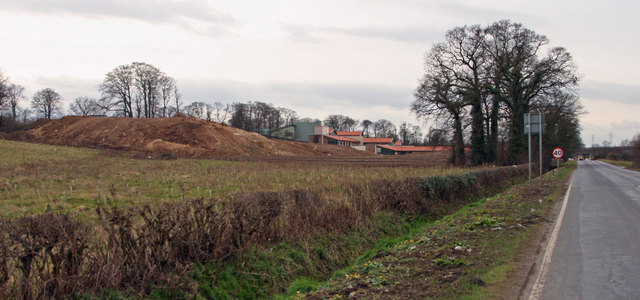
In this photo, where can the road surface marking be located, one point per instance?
(538, 286)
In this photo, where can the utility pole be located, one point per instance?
(610, 139)
(530, 122)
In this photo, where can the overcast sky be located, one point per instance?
(318, 57)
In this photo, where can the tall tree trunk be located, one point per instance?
(477, 133)
(492, 145)
(517, 140)
(458, 140)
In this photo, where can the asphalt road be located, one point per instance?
(597, 253)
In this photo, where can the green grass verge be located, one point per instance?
(260, 273)
(424, 263)
(627, 164)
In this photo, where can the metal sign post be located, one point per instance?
(540, 143)
(533, 123)
(558, 154)
(527, 120)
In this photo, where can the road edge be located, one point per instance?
(538, 286)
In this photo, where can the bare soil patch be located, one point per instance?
(165, 137)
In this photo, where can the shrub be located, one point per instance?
(635, 152)
(42, 256)
(56, 255)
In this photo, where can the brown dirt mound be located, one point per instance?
(178, 136)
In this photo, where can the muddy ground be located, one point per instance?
(179, 136)
(191, 137)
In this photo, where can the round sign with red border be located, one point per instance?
(558, 153)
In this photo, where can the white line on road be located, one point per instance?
(538, 287)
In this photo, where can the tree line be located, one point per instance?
(478, 84)
(264, 117)
(406, 133)
(481, 81)
(141, 90)
(138, 90)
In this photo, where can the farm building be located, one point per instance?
(354, 139)
(317, 134)
(400, 150)
(299, 131)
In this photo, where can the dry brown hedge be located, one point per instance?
(635, 150)
(55, 255)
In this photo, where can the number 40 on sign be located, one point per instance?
(558, 153)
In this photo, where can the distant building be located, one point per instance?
(314, 132)
(400, 150)
(299, 131)
(371, 144)
(354, 139)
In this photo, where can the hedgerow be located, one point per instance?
(140, 249)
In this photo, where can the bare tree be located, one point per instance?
(409, 134)
(26, 114)
(416, 135)
(147, 79)
(167, 92)
(562, 126)
(4, 84)
(487, 76)
(259, 116)
(15, 93)
(241, 116)
(436, 137)
(221, 112)
(520, 75)
(85, 106)
(635, 150)
(341, 123)
(463, 55)
(366, 128)
(384, 129)
(349, 124)
(196, 109)
(119, 87)
(290, 116)
(435, 98)
(141, 88)
(333, 121)
(404, 133)
(47, 102)
(177, 97)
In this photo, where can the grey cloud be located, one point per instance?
(292, 94)
(183, 13)
(626, 124)
(465, 11)
(598, 133)
(629, 94)
(303, 33)
(401, 34)
(68, 87)
(468, 11)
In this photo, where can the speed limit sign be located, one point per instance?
(558, 153)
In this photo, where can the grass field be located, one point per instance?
(268, 222)
(627, 164)
(37, 177)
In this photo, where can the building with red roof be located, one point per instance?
(400, 150)
(349, 133)
(354, 139)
